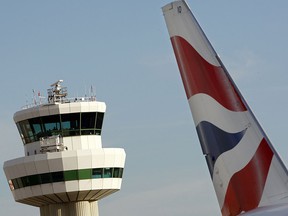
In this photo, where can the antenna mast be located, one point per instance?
(58, 93)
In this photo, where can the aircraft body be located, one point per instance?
(248, 175)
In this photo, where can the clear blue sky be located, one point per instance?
(123, 49)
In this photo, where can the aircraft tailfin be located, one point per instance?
(245, 169)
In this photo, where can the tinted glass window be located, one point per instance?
(34, 180)
(15, 183)
(20, 132)
(51, 125)
(25, 181)
(71, 121)
(57, 176)
(69, 175)
(107, 173)
(65, 125)
(37, 127)
(71, 124)
(116, 173)
(99, 122)
(88, 120)
(121, 173)
(97, 173)
(46, 178)
(19, 181)
(26, 131)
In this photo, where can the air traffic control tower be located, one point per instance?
(65, 170)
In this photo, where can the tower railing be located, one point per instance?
(58, 94)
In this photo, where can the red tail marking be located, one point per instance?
(245, 188)
(199, 76)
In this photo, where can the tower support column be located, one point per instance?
(82, 208)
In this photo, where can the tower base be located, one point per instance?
(82, 208)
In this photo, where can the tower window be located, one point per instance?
(73, 124)
(68, 175)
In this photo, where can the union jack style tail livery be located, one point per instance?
(246, 171)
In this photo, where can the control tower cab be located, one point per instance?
(65, 170)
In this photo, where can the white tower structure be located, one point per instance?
(65, 170)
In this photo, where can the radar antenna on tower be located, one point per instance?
(58, 93)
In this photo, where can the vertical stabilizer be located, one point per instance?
(245, 169)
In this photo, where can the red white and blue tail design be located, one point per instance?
(245, 169)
